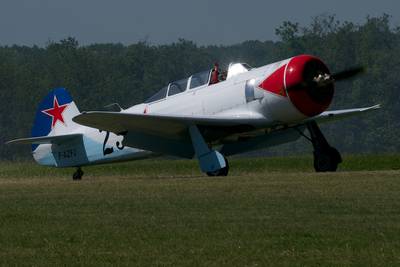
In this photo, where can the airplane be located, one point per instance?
(247, 109)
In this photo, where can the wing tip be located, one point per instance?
(377, 106)
(16, 141)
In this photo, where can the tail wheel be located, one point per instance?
(221, 172)
(77, 175)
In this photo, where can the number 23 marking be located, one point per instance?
(109, 150)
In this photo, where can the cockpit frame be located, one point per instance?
(202, 80)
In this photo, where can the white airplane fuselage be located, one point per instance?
(195, 115)
(229, 98)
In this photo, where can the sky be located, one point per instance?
(29, 22)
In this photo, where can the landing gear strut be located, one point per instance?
(326, 158)
(211, 161)
(78, 174)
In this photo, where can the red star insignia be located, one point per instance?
(56, 112)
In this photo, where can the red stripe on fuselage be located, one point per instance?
(275, 82)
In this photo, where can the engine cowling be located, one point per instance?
(297, 81)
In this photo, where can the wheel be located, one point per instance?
(221, 172)
(77, 175)
(335, 155)
(327, 161)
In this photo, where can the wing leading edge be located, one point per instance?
(163, 125)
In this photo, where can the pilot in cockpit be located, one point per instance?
(215, 74)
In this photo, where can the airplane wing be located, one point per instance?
(45, 139)
(341, 114)
(170, 125)
(289, 134)
(164, 125)
(168, 134)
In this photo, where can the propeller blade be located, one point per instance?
(321, 81)
(349, 73)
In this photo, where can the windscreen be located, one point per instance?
(158, 96)
(199, 79)
(177, 87)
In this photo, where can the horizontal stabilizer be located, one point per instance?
(45, 139)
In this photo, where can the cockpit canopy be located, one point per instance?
(198, 80)
(237, 68)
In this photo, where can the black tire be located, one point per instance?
(335, 155)
(221, 172)
(77, 175)
(327, 161)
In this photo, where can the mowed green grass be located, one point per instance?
(268, 212)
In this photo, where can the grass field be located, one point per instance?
(268, 212)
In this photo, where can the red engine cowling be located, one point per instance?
(295, 80)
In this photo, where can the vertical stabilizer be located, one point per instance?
(54, 115)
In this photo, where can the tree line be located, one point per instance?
(100, 74)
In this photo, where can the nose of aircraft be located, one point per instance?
(306, 81)
(308, 84)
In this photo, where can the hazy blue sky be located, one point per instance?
(203, 21)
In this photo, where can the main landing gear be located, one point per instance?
(78, 174)
(211, 161)
(326, 158)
